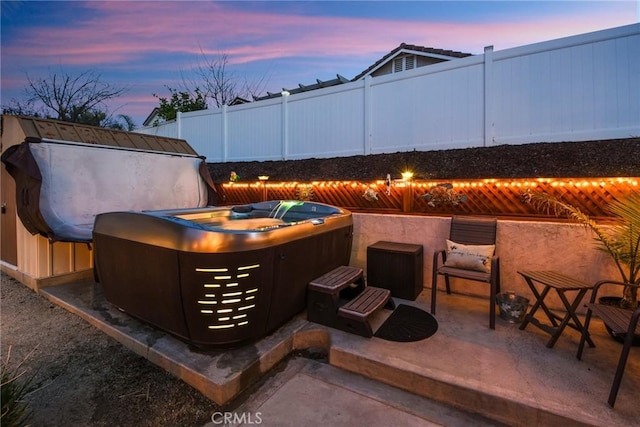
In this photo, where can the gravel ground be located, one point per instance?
(82, 377)
(608, 158)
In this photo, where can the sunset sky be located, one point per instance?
(147, 45)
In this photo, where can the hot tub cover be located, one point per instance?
(62, 185)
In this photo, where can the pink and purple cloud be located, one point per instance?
(147, 45)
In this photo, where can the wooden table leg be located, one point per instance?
(539, 303)
(571, 315)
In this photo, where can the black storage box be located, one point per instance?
(397, 267)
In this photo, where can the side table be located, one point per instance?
(561, 283)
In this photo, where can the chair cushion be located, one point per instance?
(469, 257)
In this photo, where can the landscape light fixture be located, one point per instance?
(406, 176)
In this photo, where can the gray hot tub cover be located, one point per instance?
(61, 186)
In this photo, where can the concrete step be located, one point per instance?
(326, 395)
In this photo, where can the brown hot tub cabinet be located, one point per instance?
(222, 275)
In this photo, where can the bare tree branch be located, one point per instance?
(71, 97)
(221, 84)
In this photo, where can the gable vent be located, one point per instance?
(410, 62)
(404, 63)
(398, 65)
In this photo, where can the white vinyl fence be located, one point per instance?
(579, 88)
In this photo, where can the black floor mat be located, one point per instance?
(407, 323)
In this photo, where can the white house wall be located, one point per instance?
(578, 88)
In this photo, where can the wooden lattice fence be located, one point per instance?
(496, 197)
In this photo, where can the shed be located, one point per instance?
(58, 176)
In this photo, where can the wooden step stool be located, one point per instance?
(340, 299)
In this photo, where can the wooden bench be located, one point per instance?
(340, 299)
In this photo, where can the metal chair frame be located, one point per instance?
(621, 323)
(469, 231)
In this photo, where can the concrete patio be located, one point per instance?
(466, 374)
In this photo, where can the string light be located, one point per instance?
(525, 182)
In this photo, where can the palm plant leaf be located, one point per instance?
(627, 232)
(621, 240)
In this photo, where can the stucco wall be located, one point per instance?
(521, 245)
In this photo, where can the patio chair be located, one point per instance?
(470, 255)
(621, 324)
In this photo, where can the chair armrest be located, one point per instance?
(601, 283)
(633, 323)
(442, 253)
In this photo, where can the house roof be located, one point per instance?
(304, 88)
(413, 49)
(238, 101)
(151, 117)
(36, 129)
(403, 48)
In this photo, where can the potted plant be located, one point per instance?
(621, 240)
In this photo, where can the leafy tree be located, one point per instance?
(90, 117)
(180, 101)
(121, 122)
(101, 119)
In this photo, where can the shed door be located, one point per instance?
(8, 250)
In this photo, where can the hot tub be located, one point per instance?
(219, 275)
